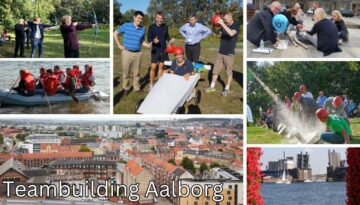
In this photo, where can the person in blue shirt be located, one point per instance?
(133, 38)
(193, 33)
(158, 34)
(37, 35)
(321, 99)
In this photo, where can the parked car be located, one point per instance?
(347, 12)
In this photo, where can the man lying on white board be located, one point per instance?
(182, 67)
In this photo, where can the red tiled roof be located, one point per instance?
(56, 155)
(133, 168)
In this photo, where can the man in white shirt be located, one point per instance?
(37, 35)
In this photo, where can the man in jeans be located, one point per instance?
(229, 33)
(337, 129)
(37, 35)
(193, 33)
(133, 38)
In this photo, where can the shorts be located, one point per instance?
(226, 61)
(159, 56)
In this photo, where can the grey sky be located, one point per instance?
(318, 156)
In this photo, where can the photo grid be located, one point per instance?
(302, 108)
(122, 102)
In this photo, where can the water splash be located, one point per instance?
(293, 128)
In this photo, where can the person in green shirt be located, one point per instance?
(337, 129)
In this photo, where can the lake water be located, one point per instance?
(9, 72)
(333, 193)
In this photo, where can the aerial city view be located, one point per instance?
(81, 159)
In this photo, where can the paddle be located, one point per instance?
(46, 96)
(13, 85)
(95, 97)
(72, 95)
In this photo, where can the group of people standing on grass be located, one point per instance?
(333, 111)
(32, 32)
(326, 34)
(56, 80)
(161, 44)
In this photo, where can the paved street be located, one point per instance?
(350, 49)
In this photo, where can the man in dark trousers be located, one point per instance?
(37, 35)
(69, 33)
(158, 34)
(260, 26)
(20, 38)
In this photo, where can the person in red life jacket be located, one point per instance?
(27, 83)
(87, 80)
(42, 78)
(77, 71)
(71, 82)
(51, 83)
(60, 74)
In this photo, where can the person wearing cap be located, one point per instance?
(226, 56)
(337, 129)
(305, 92)
(308, 107)
(181, 66)
(133, 37)
(158, 34)
(336, 106)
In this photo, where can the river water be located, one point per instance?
(333, 193)
(9, 72)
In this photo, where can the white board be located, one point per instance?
(169, 93)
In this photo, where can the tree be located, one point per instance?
(188, 164)
(214, 164)
(172, 161)
(203, 168)
(1, 139)
(21, 136)
(84, 148)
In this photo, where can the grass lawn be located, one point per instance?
(53, 45)
(260, 135)
(212, 103)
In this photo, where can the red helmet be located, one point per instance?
(214, 20)
(178, 50)
(302, 88)
(321, 113)
(337, 101)
(297, 96)
(170, 48)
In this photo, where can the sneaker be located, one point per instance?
(224, 92)
(209, 90)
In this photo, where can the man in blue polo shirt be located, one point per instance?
(133, 37)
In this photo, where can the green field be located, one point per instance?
(261, 135)
(212, 103)
(53, 45)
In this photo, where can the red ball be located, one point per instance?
(170, 48)
(214, 20)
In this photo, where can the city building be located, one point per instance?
(41, 159)
(232, 192)
(134, 173)
(67, 170)
(12, 170)
(336, 171)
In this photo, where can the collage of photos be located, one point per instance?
(180, 102)
(122, 102)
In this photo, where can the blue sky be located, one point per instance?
(318, 156)
(141, 5)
